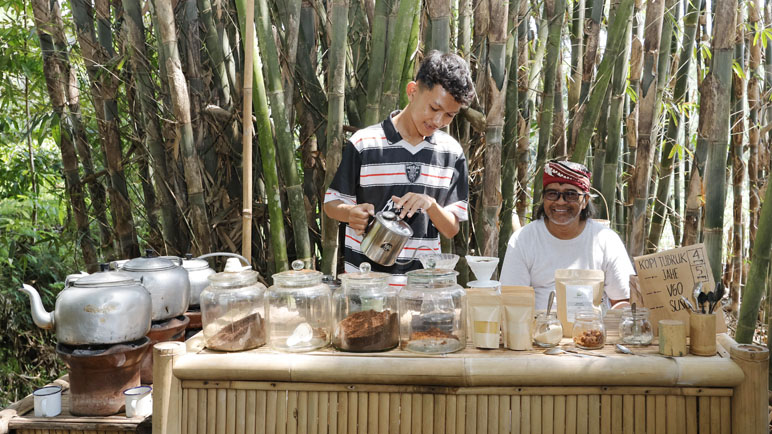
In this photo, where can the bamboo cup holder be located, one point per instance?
(702, 334)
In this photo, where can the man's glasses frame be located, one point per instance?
(568, 195)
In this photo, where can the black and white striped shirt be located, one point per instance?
(377, 164)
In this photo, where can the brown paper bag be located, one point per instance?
(576, 290)
(664, 277)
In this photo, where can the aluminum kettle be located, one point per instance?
(387, 236)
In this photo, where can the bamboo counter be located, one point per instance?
(19, 418)
(472, 391)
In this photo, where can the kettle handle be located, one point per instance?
(232, 255)
(412, 258)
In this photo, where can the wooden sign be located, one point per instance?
(664, 277)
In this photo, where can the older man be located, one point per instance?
(564, 236)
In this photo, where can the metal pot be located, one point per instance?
(386, 237)
(166, 281)
(108, 307)
(199, 271)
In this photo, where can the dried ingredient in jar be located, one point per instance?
(432, 333)
(590, 339)
(368, 330)
(242, 334)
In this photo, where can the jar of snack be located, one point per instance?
(365, 309)
(299, 310)
(635, 328)
(547, 330)
(233, 309)
(589, 332)
(432, 312)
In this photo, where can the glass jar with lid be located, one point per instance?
(635, 328)
(432, 308)
(365, 308)
(589, 332)
(547, 330)
(299, 310)
(233, 309)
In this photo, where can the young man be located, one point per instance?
(407, 165)
(564, 236)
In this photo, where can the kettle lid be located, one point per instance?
(149, 263)
(194, 264)
(391, 221)
(103, 278)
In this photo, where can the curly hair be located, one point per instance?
(451, 72)
(586, 213)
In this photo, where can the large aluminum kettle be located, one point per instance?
(166, 281)
(108, 307)
(199, 271)
(387, 235)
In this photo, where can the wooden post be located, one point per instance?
(167, 389)
(702, 334)
(672, 337)
(749, 403)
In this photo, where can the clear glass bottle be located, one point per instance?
(233, 309)
(432, 308)
(547, 330)
(299, 310)
(589, 332)
(365, 309)
(635, 328)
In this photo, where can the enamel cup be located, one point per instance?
(139, 401)
(48, 401)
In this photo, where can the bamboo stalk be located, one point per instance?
(439, 15)
(396, 58)
(716, 133)
(510, 136)
(267, 150)
(377, 60)
(284, 136)
(246, 133)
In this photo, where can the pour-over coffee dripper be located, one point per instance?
(482, 266)
(446, 261)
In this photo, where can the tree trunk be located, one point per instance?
(577, 54)
(603, 77)
(439, 14)
(56, 83)
(509, 185)
(491, 195)
(379, 42)
(522, 155)
(214, 49)
(267, 151)
(647, 110)
(283, 131)
(716, 134)
(609, 175)
(754, 104)
(667, 158)
(138, 61)
(289, 12)
(397, 53)
(337, 77)
(202, 241)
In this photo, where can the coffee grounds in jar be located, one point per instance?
(432, 333)
(243, 334)
(368, 330)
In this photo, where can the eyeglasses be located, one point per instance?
(568, 195)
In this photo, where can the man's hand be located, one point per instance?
(359, 216)
(411, 203)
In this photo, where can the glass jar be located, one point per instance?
(365, 309)
(635, 328)
(547, 330)
(432, 312)
(589, 332)
(233, 309)
(299, 310)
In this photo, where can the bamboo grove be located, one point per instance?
(667, 101)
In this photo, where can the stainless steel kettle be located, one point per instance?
(387, 236)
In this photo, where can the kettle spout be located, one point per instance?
(40, 316)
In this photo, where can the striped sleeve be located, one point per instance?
(458, 195)
(344, 184)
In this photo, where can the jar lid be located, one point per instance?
(364, 276)
(639, 312)
(147, 263)
(105, 278)
(297, 277)
(430, 275)
(238, 278)
(393, 223)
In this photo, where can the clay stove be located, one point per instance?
(100, 373)
(162, 331)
